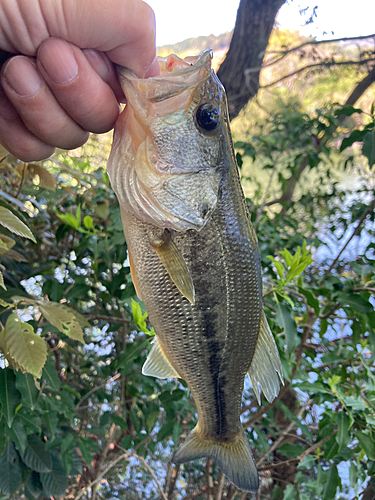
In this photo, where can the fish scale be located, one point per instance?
(194, 255)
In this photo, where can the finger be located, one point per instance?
(37, 106)
(16, 138)
(101, 63)
(78, 88)
(123, 28)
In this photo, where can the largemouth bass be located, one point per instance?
(194, 255)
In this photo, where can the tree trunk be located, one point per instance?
(254, 23)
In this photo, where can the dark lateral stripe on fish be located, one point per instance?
(209, 317)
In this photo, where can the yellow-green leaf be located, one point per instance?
(2, 284)
(14, 224)
(26, 348)
(63, 318)
(6, 244)
(5, 304)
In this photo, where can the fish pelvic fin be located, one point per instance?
(265, 370)
(175, 265)
(157, 364)
(235, 458)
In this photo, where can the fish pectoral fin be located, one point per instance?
(134, 276)
(175, 265)
(265, 369)
(234, 459)
(157, 364)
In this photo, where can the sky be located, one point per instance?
(177, 20)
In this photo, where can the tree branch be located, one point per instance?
(113, 463)
(220, 486)
(369, 209)
(316, 65)
(320, 42)
(284, 53)
(281, 438)
(172, 484)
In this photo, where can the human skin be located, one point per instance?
(61, 83)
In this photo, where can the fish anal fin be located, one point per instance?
(134, 276)
(157, 364)
(233, 458)
(265, 369)
(175, 265)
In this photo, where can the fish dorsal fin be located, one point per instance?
(134, 276)
(265, 368)
(175, 265)
(157, 364)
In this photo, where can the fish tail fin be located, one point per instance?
(265, 368)
(235, 459)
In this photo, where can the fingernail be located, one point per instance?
(21, 75)
(57, 59)
(153, 69)
(97, 62)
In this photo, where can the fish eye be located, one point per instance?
(207, 117)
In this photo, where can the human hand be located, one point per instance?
(64, 85)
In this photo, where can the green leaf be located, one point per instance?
(357, 302)
(26, 348)
(331, 448)
(84, 446)
(276, 492)
(307, 462)
(286, 321)
(343, 435)
(126, 357)
(151, 420)
(50, 375)
(355, 136)
(67, 447)
(291, 450)
(26, 385)
(177, 431)
(69, 220)
(348, 111)
(14, 224)
(290, 493)
(368, 148)
(30, 420)
(56, 481)
(367, 444)
(165, 431)
(310, 299)
(10, 397)
(33, 487)
(331, 484)
(18, 435)
(11, 476)
(77, 464)
(167, 397)
(63, 318)
(88, 222)
(50, 417)
(36, 456)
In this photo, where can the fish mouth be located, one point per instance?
(176, 76)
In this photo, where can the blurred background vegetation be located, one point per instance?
(79, 420)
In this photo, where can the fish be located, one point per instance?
(194, 256)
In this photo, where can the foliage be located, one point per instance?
(79, 420)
